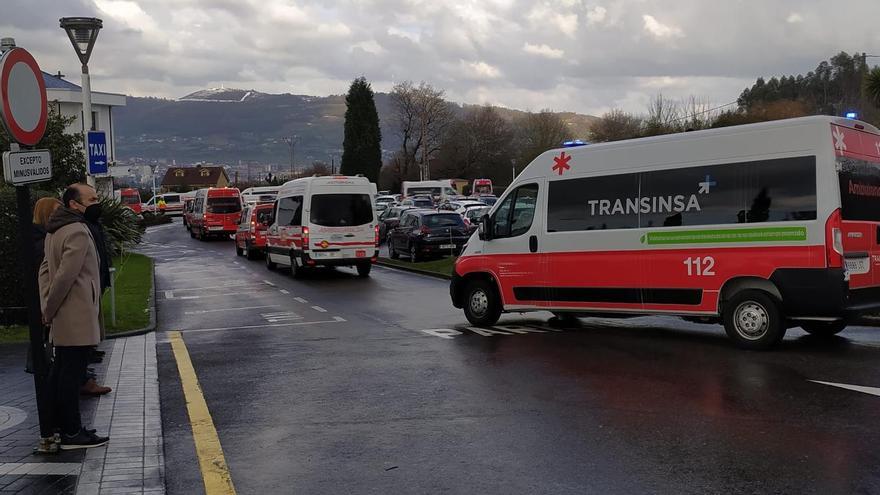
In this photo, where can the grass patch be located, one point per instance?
(443, 266)
(134, 288)
(15, 333)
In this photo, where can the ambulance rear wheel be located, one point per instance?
(753, 320)
(238, 251)
(295, 271)
(482, 305)
(249, 252)
(823, 328)
(270, 265)
(364, 269)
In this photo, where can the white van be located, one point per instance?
(759, 227)
(439, 190)
(324, 221)
(173, 204)
(259, 194)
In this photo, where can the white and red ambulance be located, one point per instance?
(324, 221)
(761, 227)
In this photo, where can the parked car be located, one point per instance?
(250, 239)
(473, 215)
(387, 199)
(418, 202)
(489, 199)
(461, 207)
(389, 219)
(426, 233)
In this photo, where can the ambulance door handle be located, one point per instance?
(533, 244)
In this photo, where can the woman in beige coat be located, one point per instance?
(69, 291)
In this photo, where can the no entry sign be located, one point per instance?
(23, 107)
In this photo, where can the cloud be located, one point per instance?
(579, 55)
(480, 70)
(660, 30)
(543, 51)
(546, 17)
(596, 15)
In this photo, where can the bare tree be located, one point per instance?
(478, 145)
(423, 117)
(664, 116)
(539, 132)
(616, 125)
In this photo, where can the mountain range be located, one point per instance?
(227, 125)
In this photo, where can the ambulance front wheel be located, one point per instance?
(753, 320)
(482, 305)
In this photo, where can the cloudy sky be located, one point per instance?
(568, 55)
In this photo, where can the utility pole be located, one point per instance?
(291, 144)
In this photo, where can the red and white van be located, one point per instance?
(324, 221)
(131, 198)
(216, 211)
(761, 227)
(250, 240)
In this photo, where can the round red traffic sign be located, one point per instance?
(23, 107)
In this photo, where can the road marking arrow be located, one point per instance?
(856, 388)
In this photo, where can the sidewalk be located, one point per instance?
(132, 462)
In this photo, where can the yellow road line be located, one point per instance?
(215, 472)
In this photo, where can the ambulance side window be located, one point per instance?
(290, 211)
(515, 215)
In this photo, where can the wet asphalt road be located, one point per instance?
(333, 385)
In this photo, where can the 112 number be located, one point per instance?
(700, 266)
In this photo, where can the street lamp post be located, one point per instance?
(83, 32)
(291, 144)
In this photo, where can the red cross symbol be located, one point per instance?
(561, 163)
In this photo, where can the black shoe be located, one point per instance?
(82, 440)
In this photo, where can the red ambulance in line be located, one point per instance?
(216, 212)
(131, 198)
(250, 240)
(760, 227)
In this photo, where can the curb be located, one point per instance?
(413, 270)
(150, 326)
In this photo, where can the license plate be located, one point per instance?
(447, 246)
(360, 253)
(858, 266)
(330, 254)
(216, 228)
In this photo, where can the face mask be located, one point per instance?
(93, 212)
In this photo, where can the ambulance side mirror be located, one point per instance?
(485, 228)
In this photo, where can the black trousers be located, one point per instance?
(65, 380)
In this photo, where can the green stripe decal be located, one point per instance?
(767, 234)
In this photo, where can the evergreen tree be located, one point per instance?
(361, 146)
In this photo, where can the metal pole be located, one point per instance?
(87, 119)
(35, 317)
(113, 296)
